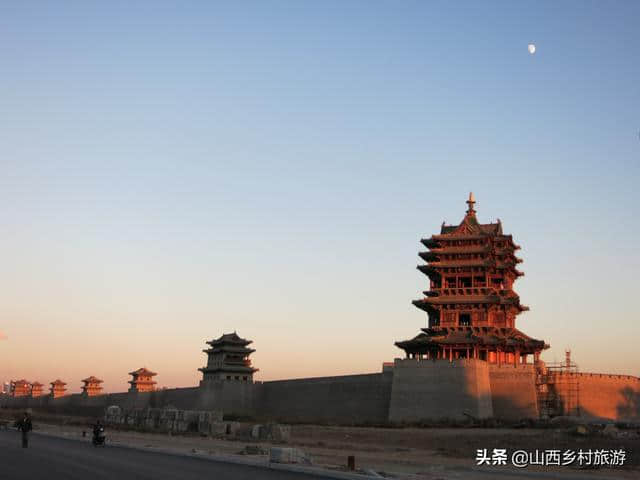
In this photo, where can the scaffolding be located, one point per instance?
(558, 388)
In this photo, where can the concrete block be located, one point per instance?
(275, 432)
(204, 427)
(113, 410)
(255, 431)
(218, 428)
(232, 428)
(288, 455)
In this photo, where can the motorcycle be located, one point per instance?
(98, 437)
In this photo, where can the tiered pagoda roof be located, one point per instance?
(92, 380)
(230, 343)
(142, 380)
(142, 372)
(92, 386)
(507, 338)
(228, 358)
(470, 301)
(57, 388)
(21, 388)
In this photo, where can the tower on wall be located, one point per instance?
(470, 303)
(36, 389)
(142, 380)
(91, 386)
(57, 388)
(228, 360)
(21, 388)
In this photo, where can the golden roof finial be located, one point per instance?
(471, 202)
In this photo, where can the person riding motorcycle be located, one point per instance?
(98, 434)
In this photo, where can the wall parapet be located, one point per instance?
(613, 376)
(361, 376)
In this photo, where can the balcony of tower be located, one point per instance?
(242, 362)
(460, 292)
(466, 262)
(217, 350)
(461, 252)
(462, 300)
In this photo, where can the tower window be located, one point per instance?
(464, 320)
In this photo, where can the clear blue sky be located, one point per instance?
(173, 170)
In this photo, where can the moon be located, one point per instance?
(532, 48)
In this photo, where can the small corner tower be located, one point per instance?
(142, 380)
(57, 388)
(228, 360)
(21, 388)
(36, 389)
(91, 387)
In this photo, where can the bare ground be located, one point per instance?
(420, 453)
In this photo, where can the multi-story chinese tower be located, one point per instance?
(91, 386)
(228, 359)
(142, 380)
(57, 388)
(36, 389)
(471, 304)
(21, 388)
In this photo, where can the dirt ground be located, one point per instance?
(410, 450)
(416, 453)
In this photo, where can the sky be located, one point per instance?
(171, 171)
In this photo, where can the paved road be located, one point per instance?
(61, 459)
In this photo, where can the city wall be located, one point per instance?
(235, 399)
(513, 391)
(412, 391)
(350, 399)
(612, 397)
(80, 404)
(439, 389)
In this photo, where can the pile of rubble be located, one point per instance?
(593, 427)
